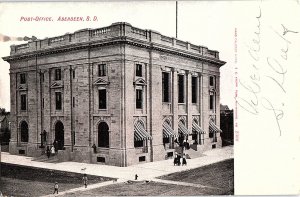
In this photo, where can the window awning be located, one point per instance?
(140, 133)
(182, 129)
(168, 131)
(197, 128)
(213, 128)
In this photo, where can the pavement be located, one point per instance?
(145, 171)
(79, 189)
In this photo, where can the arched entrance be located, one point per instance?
(59, 135)
(103, 135)
(24, 131)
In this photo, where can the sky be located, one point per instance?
(197, 23)
(259, 40)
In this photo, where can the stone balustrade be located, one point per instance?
(113, 31)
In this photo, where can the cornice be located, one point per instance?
(113, 41)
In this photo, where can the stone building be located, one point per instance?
(117, 95)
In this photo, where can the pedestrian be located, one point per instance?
(94, 148)
(178, 160)
(55, 144)
(136, 176)
(55, 188)
(175, 159)
(52, 150)
(85, 180)
(183, 159)
(48, 152)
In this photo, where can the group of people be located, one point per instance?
(52, 150)
(178, 160)
(84, 179)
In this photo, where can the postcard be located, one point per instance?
(150, 98)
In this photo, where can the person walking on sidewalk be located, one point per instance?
(85, 180)
(55, 188)
(48, 152)
(183, 159)
(52, 150)
(55, 144)
(175, 159)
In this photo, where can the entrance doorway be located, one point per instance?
(59, 135)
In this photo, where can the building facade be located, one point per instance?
(117, 95)
(226, 125)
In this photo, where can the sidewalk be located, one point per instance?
(145, 171)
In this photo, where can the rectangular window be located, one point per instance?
(211, 81)
(101, 159)
(23, 102)
(21, 152)
(102, 99)
(139, 99)
(73, 73)
(165, 86)
(166, 140)
(211, 102)
(142, 158)
(138, 144)
(57, 74)
(73, 101)
(101, 70)
(138, 70)
(58, 101)
(215, 138)
(170, 154)
(180, 88)
(194, 89)
(22, 78)
(42, 77)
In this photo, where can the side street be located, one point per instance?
(210, 174)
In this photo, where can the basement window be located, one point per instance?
(142, 158)
(101, 159)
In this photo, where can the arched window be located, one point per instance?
(24, 131)
(103, 135)
(59, 135)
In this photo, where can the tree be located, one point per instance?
(3, 112)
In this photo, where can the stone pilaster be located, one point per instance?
(175, 99)
(189, 102)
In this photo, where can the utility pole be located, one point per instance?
(176, 18)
